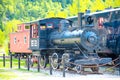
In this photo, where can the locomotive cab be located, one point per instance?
(34, 41)
(40, 31)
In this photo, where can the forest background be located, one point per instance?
(13, 12)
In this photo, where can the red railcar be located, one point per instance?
(19, 40)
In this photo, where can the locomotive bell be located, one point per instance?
(89, 20)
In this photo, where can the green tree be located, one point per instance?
(2, 12)
(2, 37)
(28, 10)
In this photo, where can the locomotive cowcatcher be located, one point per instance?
(57, 38)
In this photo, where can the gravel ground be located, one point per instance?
(44, 74)
(70, 76)
(57, 75)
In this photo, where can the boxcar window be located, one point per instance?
(27, 27)
(14, 40)
(25, 39)
(19, 27)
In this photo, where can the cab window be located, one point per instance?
(34, 31)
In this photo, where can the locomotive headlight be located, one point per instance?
(92, 39)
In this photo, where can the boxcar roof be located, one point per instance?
(103, 11)
(73, 17)
(95, 13)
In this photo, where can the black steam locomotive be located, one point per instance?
(107, 23)
(56, 37)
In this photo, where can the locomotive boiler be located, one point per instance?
(87, 39)
(56, 37)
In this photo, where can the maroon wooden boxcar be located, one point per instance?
(19, 40)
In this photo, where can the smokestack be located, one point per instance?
(80, 19)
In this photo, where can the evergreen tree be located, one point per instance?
(14, 11)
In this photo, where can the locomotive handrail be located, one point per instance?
(109, 19)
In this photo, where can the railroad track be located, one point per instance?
(68, 73)
(71, 72)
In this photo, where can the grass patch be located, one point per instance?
(17, 74)
(14, 62)
(7, 75)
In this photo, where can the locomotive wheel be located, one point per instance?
(54, 61)
(43, 62)
(66, 57)
(78, 68)
(30, 63)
